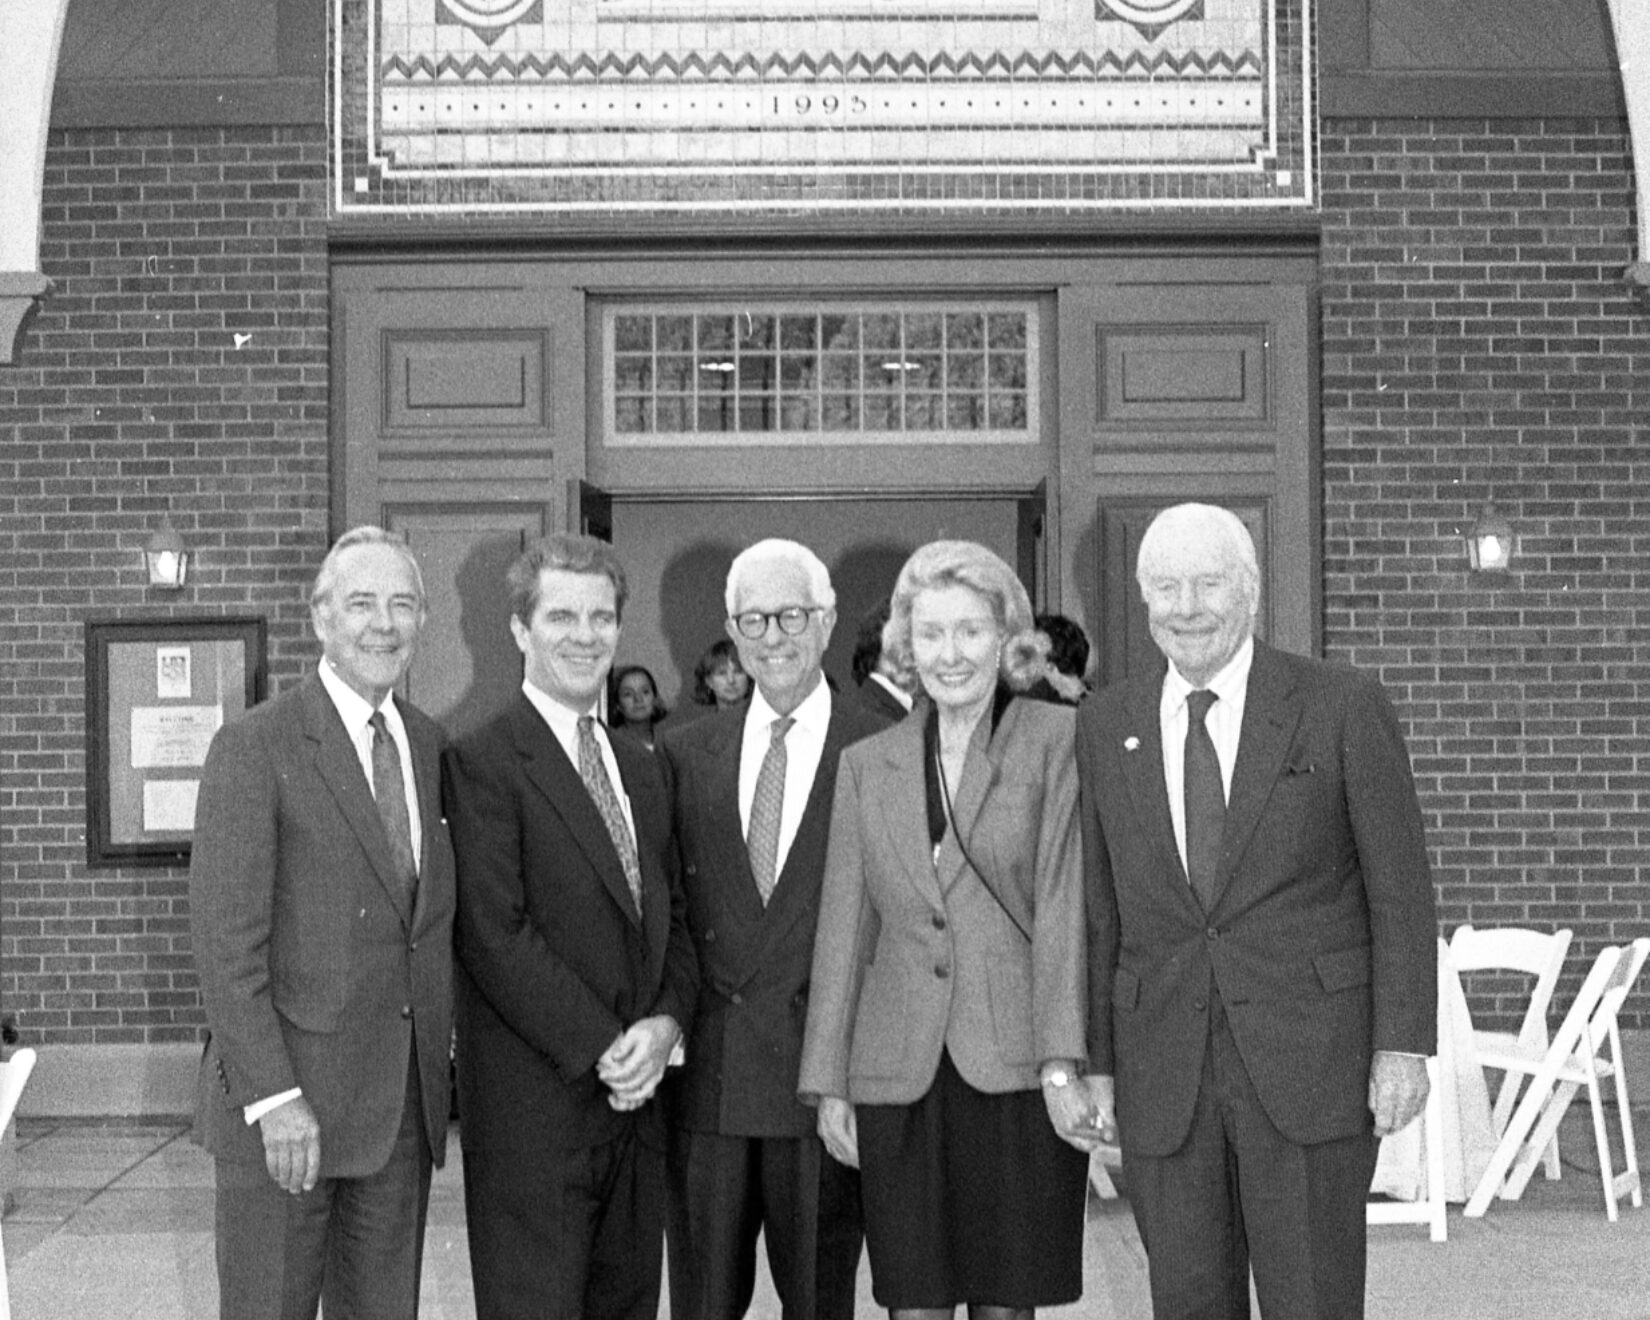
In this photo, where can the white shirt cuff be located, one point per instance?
(259, 1108)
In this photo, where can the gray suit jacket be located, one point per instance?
(313, 971)
(914, 956)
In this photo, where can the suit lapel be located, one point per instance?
(1269, 720)
(722, 794)
(557, 779)
(339, 767)
(903, 798)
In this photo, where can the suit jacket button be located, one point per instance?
(1200, 1005)
(939, 922)
(406, 1010)
(736, 998)
(1212, 933)
(942, 971)
(710, 937)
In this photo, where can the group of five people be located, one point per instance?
(805, 973)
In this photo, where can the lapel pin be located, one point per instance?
(1131, 744)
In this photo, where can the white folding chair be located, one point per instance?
(1585, 1049)
(14, 1075)
(1533, 953)
(1429, 1209)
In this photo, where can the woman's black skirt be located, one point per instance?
(970, 1197)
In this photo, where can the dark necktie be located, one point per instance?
(1205, 799)
(593, 771)
(390, 792)
(767, 806)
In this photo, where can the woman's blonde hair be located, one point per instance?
(968, 564)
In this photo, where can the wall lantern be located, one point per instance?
(1491, 543)
(167, 557)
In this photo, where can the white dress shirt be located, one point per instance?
(804, 745)
(1224, 722)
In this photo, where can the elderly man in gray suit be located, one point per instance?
(751, 793)
(321, 906)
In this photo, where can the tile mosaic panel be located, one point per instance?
(821, 105)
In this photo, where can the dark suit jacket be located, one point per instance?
(754, 961)
(313, 973)
(872, 696)
(912, 956)
(1322, 938)
(553, 963)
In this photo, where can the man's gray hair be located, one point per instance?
(368, 534)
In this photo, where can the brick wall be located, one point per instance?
(1479, 343)
(180, 368)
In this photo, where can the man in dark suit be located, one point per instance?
(744, 1156)
(877, 682)
(321, 907)
(576, 975)
(1262, 941)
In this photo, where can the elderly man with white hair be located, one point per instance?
(1262, 927)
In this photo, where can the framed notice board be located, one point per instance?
(156, 692)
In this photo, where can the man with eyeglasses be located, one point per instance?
(751, 794)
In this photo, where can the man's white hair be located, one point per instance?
(750, 561)
(1200, 522)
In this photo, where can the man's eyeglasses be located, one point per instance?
(792, 620)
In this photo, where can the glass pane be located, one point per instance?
(925, 373)
(715, 415)
(632, 373)
(1006, 329)
(1008, 412)
(754, 331)
(797, 415)
(799, 332)
(675, 373)
(756, 373)
(797, 372)
(964, 330)
(964, 412)
(923, 412)
(630, 416)
(839, 331)
(839, 412)
(675, 334)
(965, 371)
(882, 412)
(1008, 371)
(633, 333)
(881, 331)
(756, 412)
(673, 413)
(839, 371)
(715, 334)
(924, 329)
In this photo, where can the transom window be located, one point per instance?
(821, 373)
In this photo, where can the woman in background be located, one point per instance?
(946, 1014)
(633, 704)
(718, 679)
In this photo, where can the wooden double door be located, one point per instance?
(478, 403)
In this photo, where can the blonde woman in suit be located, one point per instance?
(946, 1013)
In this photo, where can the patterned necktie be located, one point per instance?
(1205, 799)
(766, 808)
(390, 791)
(594, 773)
